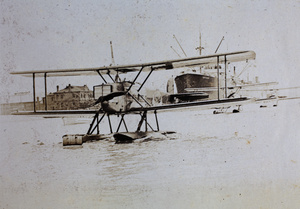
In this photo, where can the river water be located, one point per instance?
(245, 160)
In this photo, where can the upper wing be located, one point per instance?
(162, 65)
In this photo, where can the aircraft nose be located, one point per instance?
(107, 107)
(104, 104)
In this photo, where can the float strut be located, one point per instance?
(122, 117)
(146, 127)
(98, 124)
(90, 131)
(147, 122)
(125, 125)
(110, 127)
(155, 113)
(92, 123)
(141, 121)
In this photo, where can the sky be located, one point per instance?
(40, 35)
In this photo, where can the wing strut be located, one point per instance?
(218, 72)
(137, 101)
(143, 85)
(145, 100)
(111, 77)
(225, 59)
(225, 79)
(101, 76)
(145, 79)
(45, 79)
(133, 82)
(34, 107)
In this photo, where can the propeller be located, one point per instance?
(110, 96)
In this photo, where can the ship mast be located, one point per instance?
(200, 49)
(112, 54)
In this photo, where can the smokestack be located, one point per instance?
(256, 79)
(57, 88)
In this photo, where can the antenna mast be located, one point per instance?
(179, 45)
(113, 62)
(219, 44)
(112, 54)
(175, 52)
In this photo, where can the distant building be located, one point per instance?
(70, 98)
(9, 108)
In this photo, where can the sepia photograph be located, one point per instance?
(135, 104)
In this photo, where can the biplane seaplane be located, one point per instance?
(122, 97)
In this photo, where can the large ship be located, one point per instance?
(192, 80)
(192, 86)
